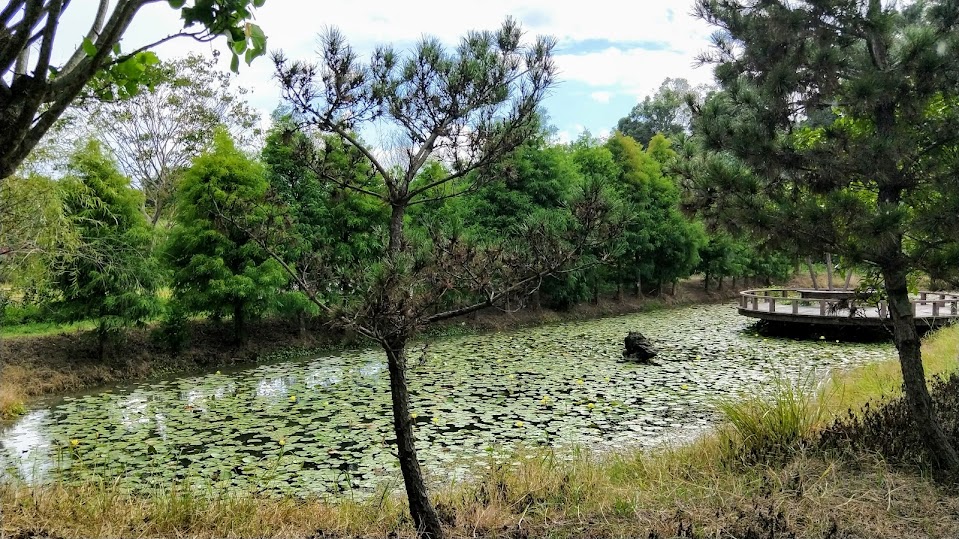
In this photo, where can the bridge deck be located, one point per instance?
(931, 309)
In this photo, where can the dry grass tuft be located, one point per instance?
(11, 399)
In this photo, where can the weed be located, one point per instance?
(763, 429)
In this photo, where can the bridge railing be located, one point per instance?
(802, 302)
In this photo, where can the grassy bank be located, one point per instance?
(765, 473)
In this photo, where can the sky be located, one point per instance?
(610, 53)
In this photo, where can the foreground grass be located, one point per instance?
(758, 475)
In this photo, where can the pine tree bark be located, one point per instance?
(425, 518)
(938, 445)
(424, 515)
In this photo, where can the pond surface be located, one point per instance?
(323, 426)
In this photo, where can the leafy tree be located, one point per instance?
(466, 108)
(661, 245)
(845, 113)
(217, 269)
(156, 133)
(35, 92)
(533, 184)
(327, 228)
(665, 112)
(110, 276)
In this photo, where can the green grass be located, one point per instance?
(40, 329)
(774, 424)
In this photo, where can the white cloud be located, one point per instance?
(292, 25)
(634, 71)
(601, 96)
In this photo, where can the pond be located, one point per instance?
(323, 425)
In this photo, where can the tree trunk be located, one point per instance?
(812, 272)
(906, 336)
(848, 279)
(239, 323)
(829, 271)
(425, 519)
(301, 318)
(101, 344)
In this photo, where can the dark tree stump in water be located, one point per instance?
(638, 348)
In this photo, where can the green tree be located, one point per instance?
(156, 133)
(845, 112)
(666, 112)
(466, 108)
(109, 275)
(34, 92)
(327, 228)
(661, 245)
(533, 184)
(217, 268)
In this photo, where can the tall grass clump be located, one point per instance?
(763, 428)
(11, 401)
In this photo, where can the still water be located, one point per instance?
(323, 425)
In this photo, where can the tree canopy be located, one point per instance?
(218, 269)
(844, 114)
(34, 92)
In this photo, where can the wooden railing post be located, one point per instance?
(822, 307)
(795, 306)
(772, 304)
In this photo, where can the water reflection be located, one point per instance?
(25, 448)
(325, 425)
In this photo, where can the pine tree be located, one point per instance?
(107, 273)
(845, 113)
(217, 269)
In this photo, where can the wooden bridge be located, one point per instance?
(842, 307)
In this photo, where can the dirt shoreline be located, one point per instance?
(36, 366)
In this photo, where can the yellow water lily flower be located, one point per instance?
(282, 442)
(74, 442)
(580, 382)
(545, 399)
(591, 406)
(518, 423)
(684, 386)
(292, 398)
(218, 372)
(414, 415)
